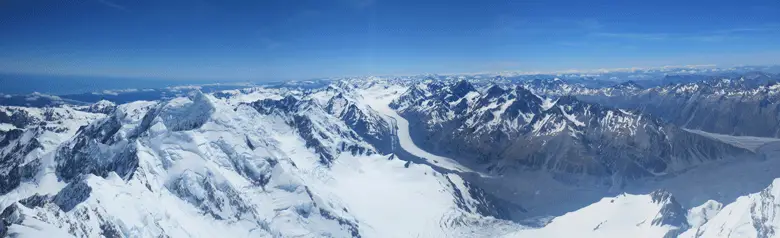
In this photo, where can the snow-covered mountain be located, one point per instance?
(657, 214)
(428, 156)
(27, 134)
(199, 166)
(735, 103)
(745, 105)
(511, 130)
(753, 215)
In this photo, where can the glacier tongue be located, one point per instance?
(379, 99)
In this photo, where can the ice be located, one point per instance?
(379, 99)
(747, 142)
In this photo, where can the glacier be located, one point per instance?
(346, 160)
(200, 166)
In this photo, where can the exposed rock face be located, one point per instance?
(287, 163)
(36, 132)
(364, 121)
(199, 166)
(511, 130)
(13, 167)
(67, 199)
(79, 155)
(672, 213)
(138, 148)
(315, 125)
(746, 105)
(102, 106)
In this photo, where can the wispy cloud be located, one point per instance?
(270, 44)
(113, 5)
(359, 4)
(633, 36)
(704, 36)
(590, 24)
(511, 25)
(710, 38)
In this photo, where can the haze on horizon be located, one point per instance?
(306, 39)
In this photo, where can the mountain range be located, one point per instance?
(690, 155)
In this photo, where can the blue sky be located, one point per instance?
(289, 39)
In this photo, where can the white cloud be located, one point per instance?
(112, 5)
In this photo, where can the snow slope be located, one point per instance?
(754, 215)
(201, 166)
(626, 215)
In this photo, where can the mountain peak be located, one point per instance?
(188, 113)
(462, 88)
(524, 94)
(630, 85)
(494, 91)
(671, 213)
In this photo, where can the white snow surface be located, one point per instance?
(196, 152)
(700, 215)
(6, 127)
(548, 103)
(753, 215)
(626, 215)
(571, 117)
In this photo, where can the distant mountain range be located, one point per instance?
(691, 154)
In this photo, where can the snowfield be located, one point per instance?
(622, 216)
(209, 167)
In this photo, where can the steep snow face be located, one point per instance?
(753, 215)
(196, 160)
(702, 214)
(627, 215)
(188, 113)
(200, 166)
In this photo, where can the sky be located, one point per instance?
(300, 39)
